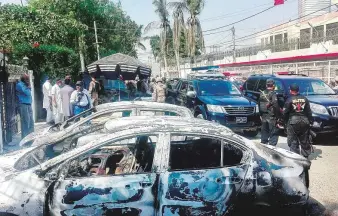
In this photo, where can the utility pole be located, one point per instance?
(234, 41)
(96, 42)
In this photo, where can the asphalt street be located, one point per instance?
(323, 176)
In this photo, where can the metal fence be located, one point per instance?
(325, 70)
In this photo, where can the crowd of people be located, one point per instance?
(62, 100)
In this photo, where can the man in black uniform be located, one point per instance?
(270, 112)
(298, 118)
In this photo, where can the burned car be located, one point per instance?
(89, 119)
(157, 166)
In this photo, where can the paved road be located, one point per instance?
(323, 176)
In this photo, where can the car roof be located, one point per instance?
(283, 77)
(135, 125)
(185, 112)
(164, 123)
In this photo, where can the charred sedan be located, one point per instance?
(90, 119)
(158, 166)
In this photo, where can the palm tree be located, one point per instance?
(195, 33)
(178, 28)
(164, 25)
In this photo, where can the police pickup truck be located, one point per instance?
(214, 98)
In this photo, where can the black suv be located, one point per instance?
(216, 99)
(323, 99)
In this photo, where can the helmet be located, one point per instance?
(159, 79)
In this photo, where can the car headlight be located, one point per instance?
(215, 108)
(320, 109)
(257, 108)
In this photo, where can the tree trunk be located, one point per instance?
(83, 66)
(177, 55)
(164, 51)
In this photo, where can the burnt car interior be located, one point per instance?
(127, 156)
(202, 152)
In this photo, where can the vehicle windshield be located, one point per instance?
(217, 88)
(311, 87)
(114, 84)
(43, 153)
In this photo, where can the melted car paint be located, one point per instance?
(81, 195)
(102, 210)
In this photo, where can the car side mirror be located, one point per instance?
(191, 94)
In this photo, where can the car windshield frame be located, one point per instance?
(201, 86)
(306, 86)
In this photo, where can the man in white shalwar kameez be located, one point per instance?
(47, 100)
(57, 102)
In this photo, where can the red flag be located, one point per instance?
(279, 2)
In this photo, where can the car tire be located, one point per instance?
(251, 133)
(307, 178)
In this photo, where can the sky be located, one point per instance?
(216, 13)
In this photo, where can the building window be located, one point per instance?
(305, 38)
(332, 32)
(318, 34)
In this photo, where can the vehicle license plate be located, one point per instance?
(241, 120)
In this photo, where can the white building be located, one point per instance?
(313, 7)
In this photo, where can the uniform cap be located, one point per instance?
(158, 79)
(79, 83)
(336, 79)
(294, 87)
(270, 82)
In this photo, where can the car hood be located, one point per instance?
(325, 100)
(7, 163)
(226, 100)
(34, 135)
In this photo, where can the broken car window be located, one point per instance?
(126, 156)
(44, 153)
(190, 152)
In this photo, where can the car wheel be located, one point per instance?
(307, 179)
(251, 133)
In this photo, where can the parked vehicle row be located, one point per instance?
(323, 99)
(212, 97)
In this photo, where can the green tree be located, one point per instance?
(116, 31)
(164, 25)
(23, 26)
(195, 33)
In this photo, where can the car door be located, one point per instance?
(250, 87)
(190, 102)
(203, 176)
(127, 186)
(182, 93)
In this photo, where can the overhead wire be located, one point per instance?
(259, 32)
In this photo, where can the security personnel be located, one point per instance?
(270, 112)
(298, 116)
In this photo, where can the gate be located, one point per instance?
(8, 103)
